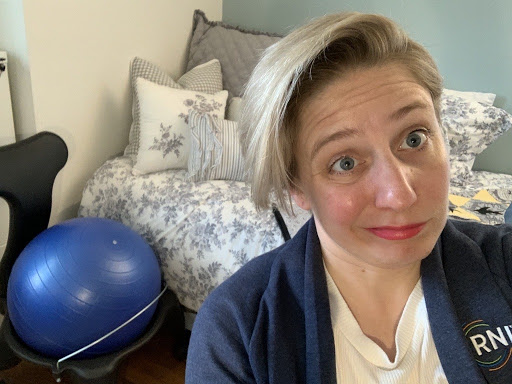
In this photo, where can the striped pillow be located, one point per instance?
(206, 78)
(215, 151)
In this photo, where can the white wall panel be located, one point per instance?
(6, 137)
(79, 53)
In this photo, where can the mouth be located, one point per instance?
(397, 233)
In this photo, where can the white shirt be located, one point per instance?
(360, 360)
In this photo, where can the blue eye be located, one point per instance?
(345, 164)
(414, 140)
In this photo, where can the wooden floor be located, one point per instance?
(153, 363)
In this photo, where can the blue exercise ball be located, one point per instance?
(77, 281)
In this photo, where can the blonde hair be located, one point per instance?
(295, 69)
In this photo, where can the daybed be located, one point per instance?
(190, 202)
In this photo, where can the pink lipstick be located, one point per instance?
(397, 233)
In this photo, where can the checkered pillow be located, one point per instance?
(205, 78)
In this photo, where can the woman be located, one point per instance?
(342, 116)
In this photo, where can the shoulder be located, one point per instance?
(473, 241)
(223, 330)
(480, 234)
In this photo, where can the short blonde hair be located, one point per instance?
(295, 69)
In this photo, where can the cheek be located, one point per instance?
(340, 206)
(438, 177)
(433, 187)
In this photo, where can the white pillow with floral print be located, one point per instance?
(469, 127)
(164, 141)
(480, 97)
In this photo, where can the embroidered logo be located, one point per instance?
(492, 345)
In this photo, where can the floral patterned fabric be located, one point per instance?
(202, 232)
(470, 127)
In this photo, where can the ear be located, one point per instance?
(300, 198)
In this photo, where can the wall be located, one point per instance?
(471, 41)
(13, 40)
(6, 137)
(75, 56)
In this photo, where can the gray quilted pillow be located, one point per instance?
(238, 50)
(206, 78)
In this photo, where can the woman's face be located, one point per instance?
(373, 169)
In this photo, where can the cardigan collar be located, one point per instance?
(320, 353)
(452, 349)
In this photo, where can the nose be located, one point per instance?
(393, 185)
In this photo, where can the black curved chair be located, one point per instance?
(27, 173)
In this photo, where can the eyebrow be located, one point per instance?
(343, 134)
(402, 112)
(350, 132)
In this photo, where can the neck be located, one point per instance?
(372, 281)
(376, 296)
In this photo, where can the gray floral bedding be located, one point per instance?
(203, 232)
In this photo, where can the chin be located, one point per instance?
(411, 251)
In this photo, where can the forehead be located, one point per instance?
(363, 94)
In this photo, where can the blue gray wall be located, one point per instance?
(471, 41)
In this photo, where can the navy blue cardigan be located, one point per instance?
(270, 322)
